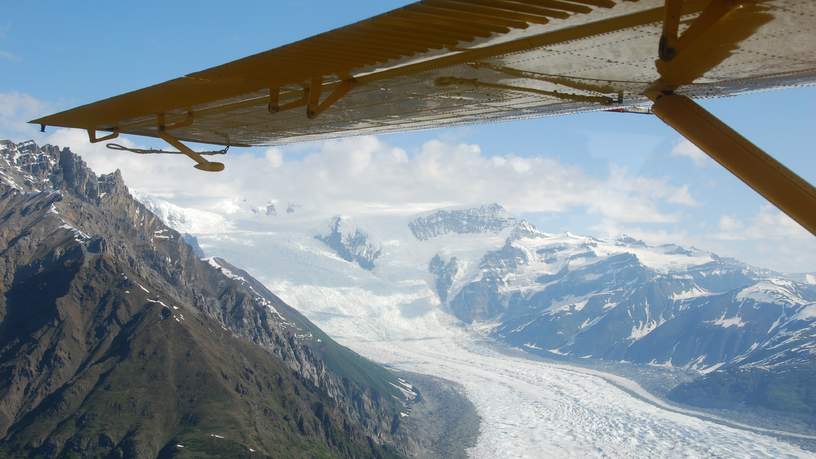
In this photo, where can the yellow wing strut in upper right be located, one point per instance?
(706, 43)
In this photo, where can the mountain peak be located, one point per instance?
(25, 166)
(74, 175)
(28, 167)
(113, 182)
(525, 229)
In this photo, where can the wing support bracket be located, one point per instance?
(162, 127)
(314, 106)
(274, 105)
(274, 100)
(94, 139)
(201, 163)
(311, 97)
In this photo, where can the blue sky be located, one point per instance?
(56, 55)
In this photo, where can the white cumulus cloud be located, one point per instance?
(365, 174)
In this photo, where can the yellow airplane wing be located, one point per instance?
(445, 62)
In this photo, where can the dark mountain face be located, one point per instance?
(117, 340)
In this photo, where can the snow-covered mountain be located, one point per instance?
(456, 270)
(626, 300)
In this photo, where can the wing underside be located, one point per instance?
(446, 62)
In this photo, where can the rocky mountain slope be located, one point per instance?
(116, 340)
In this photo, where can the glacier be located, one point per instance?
(532, 409)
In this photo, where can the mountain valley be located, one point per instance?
(455, 273)
(428, 293)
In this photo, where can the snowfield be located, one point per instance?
(532, 409)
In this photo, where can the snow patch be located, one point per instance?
(644, 328)
(408, 393)
(158, 301)
(727, 322)
(694, 292)
(79, 236)
(226, 272)
(712, 368)
(159, 234)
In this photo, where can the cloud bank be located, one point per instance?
(367, 175)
